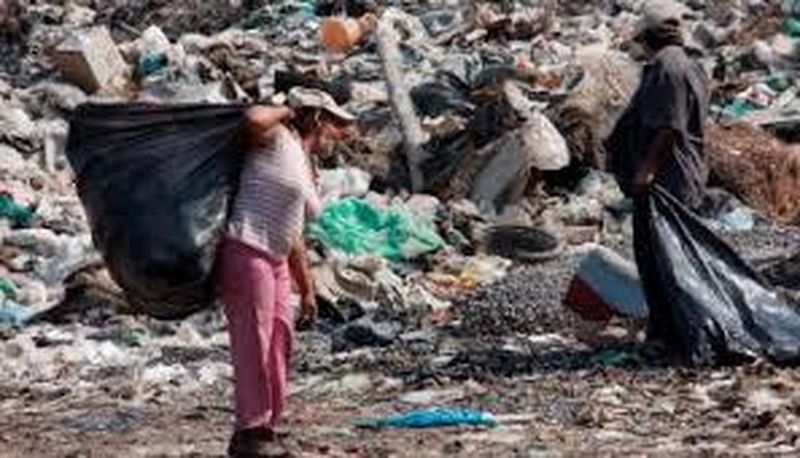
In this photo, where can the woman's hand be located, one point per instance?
(308, 311)
(298, 265)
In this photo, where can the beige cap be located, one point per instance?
(656, 13)
(302, 97)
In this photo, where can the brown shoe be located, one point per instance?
(256, 443)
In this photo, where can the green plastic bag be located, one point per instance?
(355, 227)
(12, 313)
(7, 289)
(780, 83)
(791, 27)
(18, 215)
(739, 108)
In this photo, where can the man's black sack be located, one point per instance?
(707, 305)
(155, 182)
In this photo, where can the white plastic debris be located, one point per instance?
(343, 182)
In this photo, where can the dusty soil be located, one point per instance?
(605, 412)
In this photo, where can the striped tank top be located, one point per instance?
(276, 195)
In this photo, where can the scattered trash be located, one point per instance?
(791, 27)
(536, 145)
(108, 422)
(19, 216)
(459, 276)
(615, 358)
(14, 314)
(738, 220)
(339, 183)
(365, 333)
(151, 64)
(526, 244)
(549, 147)
(340, 34)
(154, 53)
(15, 123)
(7, 288)
(606, 285)
(427, 397)
(479, 180)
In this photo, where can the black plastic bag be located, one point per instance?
(155, 183)
(435, 99)
(784, 272)
(707, 305)
(339, 88)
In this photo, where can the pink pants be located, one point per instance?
(256, 291)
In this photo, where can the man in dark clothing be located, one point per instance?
(659, 139)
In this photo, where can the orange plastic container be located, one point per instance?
(339, 34)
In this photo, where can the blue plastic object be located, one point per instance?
(151, 64)
(739, 220)
(432, 418)
(14, 314)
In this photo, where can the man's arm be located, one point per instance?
(665, 111)
(657, 153)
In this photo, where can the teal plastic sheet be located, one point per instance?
(353, 226)
(14, 314)
(17, 214)
(432, 418)
(11, 312)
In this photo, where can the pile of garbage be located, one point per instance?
(482, 127)
(481, 149)
(480, 111)
(76, 58)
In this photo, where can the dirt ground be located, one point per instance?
(586, 411)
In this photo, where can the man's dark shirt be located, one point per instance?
(673, 95)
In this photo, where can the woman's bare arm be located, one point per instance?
(298, 266)
(262, 118)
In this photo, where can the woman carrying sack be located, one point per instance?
(264, 250)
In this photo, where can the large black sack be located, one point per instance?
(155, 182)
(706, 303)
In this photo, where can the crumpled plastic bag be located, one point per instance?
(355, 227)
(17, 214)
(343, 182)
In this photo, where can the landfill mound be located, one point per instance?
(176, 17)
(455, 225)
(760, 169)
